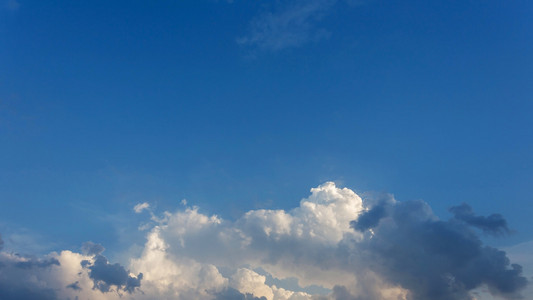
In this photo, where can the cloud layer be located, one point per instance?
(355, 248)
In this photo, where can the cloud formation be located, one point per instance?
(106, 275)
(355, 248)
(90, 248)
(494, 224)
(434, 259)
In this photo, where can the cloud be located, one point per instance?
(233, 294)
(291, 25)
(494, 224)
(140, 207)
(371, 218)
(1, 243)
(19, 277)
(75, 286)
(61, 276)
(12, 5)
(90, 248)
(37, 263)
(357, 249)
(106, 275)
(434, 259)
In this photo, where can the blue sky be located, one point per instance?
(245, 105)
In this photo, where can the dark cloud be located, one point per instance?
(90, 248)
(494, 224)
(14, 291)
(233, 294)
(75, 286)
(37, 263)
(1, 243)
(433, 259)
(18, 278)
(370, 218)
(341, 293)
(106, 275)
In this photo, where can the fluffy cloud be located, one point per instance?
(64, 275)
(386, 250)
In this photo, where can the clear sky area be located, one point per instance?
(305, 149)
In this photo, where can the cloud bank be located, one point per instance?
(353, 248)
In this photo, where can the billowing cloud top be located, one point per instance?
(356, 249)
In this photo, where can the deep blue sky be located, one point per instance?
(105, 104)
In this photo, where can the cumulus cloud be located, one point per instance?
(434, 259)
(65, 275)
(355, 248)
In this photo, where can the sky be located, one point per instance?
(304, 149)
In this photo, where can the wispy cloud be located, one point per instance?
(12, 5)
(140, 207)
(290, 25)
(355, 248)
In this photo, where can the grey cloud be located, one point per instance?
(290, 26)
(494, 224)
(341, 293)
(75, 286)
(37, 263)
(90, 248)
(233, 294)
(1, 243)
(17, 278)
(106, 275)
(431, 258)
(14, 291)
(370, 218)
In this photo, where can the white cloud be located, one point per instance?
(248, 281)
(140, 207)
